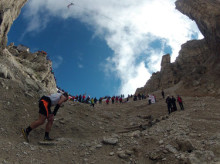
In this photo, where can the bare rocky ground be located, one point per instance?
(132, 132)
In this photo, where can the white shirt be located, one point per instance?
(55, 98)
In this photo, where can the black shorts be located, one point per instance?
(44, 106)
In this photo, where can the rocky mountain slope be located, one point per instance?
(132, 132)
(197, 68)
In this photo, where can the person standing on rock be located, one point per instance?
(168, 101)
(180, 101)
(45, 103)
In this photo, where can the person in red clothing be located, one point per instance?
(120, 99)
(180, 101)
(116, 99)
(84, 97)
(107, 101)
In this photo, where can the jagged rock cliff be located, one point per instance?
(206, 14)
(9, 11)
(197, 68)
(30, 71)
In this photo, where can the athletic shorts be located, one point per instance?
(44, 106)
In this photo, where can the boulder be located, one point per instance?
(110, 140)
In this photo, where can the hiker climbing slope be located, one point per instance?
(169, 104)
(180, 101)
(173, 102)
(45, 103)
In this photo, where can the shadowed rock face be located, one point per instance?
(206, 14)
(9, 11)
(197, 68)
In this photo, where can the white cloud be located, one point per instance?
(129, 29)
(57, 62)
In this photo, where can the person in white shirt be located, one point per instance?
(45, 112)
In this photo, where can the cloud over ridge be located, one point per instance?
(130, 28)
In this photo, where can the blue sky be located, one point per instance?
(103, 47)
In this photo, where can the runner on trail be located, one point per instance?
(45, 103)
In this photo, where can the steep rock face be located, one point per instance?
(206, 14)
(9, 11)
(192, 69)
(197, 68)
(31, 71)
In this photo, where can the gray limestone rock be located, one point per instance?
(110, 141)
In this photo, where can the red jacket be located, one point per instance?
(179, 99)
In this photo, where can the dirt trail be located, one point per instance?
(132, 132)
